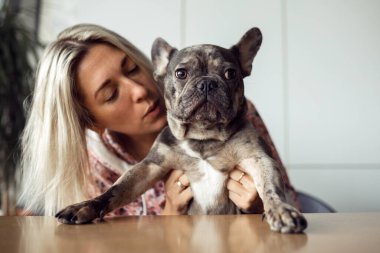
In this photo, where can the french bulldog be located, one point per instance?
(207, 136)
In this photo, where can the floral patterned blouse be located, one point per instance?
(108, 161)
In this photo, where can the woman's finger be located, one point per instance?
(184, 180)
(248, 202)
(243, 178)
(186, 195)
(236, 198)
(236, 187)
(237, 175)
(173, 177)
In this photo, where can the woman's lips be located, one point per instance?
(153, 110)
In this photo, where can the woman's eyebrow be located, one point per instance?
(108, 81)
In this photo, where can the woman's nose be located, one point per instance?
(138, 91)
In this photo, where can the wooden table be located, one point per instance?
(341, 232)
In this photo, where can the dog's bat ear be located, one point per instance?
(246, 49)
(161, 54)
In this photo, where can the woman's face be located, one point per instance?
(120, 95)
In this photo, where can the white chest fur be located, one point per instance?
(208, 187)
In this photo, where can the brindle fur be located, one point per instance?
(206, 128)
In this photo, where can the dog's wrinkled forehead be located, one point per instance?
(204, 57)
(167, 59)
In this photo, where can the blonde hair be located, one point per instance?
(54, 157)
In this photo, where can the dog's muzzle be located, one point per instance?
(206, 100)
(207, 86)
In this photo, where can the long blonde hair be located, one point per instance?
(54, 159)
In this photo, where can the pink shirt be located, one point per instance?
(108, 160)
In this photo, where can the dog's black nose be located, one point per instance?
(206, 86)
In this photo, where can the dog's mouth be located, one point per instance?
(207, 111)
(204, 107)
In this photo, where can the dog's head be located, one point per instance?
(203, 85)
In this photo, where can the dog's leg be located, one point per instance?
(280, 215)
(131, 185)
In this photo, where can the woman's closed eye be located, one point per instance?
(111, 95)
(129, 68)
(133, 69)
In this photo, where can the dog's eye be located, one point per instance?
(230, 74)
(181, 73)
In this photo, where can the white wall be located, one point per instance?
(316, 79)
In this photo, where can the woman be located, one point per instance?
(95, 112)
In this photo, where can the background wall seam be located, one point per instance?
(183, 25)
(284, 30)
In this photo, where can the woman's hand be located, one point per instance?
(178, 193)
(243, 193)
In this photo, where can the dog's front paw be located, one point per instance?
(80, 213)
(285, 218)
